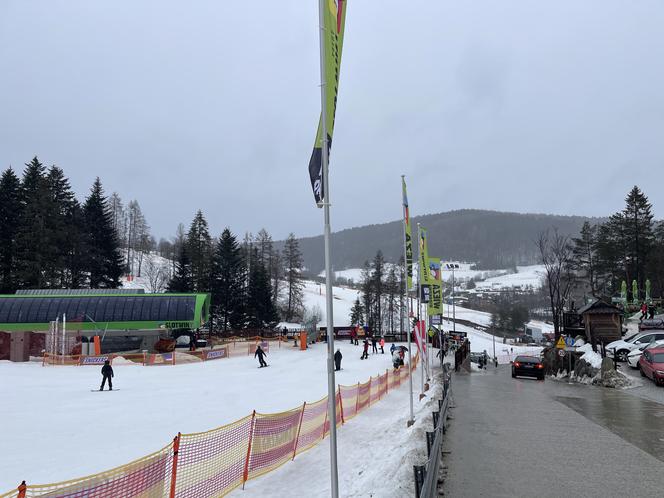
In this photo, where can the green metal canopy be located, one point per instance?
(104, 311)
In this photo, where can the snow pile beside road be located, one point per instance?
(592, 358)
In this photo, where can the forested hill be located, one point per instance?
(492, 239)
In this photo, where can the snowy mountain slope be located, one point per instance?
(344, 298)
(526, 276)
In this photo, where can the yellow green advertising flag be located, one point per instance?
(436, 284)
(408, 238)
(335, 20)
(424, 258)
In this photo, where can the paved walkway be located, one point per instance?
(522, 437)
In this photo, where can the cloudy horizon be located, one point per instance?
(550, 108)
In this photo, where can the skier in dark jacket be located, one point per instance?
(374, 349)
(107, 373)
(337, 360)
(365, 353)
(260, 353)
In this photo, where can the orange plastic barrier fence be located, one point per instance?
(213, 463)
(147, 477)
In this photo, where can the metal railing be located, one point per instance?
(427, 476)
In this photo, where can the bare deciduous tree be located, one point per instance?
(556, 254)
(157, 273)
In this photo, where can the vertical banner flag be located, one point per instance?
(420, 337)
(409, 239)
(423, 263)
(436, 285)
(335, 20)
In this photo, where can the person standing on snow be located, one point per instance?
(374, 349)
(382, 345)
(392, 348)
(365, 353)
(107, 373)
(260, 353)
(337, 360)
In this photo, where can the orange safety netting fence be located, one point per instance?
(213, 463)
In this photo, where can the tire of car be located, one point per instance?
(541, 377)
(513, 374)
(622, 355)
(641, 371)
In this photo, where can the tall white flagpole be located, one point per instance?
(331, 387)
(419, 311)
(411, 420)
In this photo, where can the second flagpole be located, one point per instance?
(331, 387)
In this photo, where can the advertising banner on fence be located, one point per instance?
(335, 19)
(94, 360)
(216, 354)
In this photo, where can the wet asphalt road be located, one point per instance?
(522, 437)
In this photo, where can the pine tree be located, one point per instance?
(33, 240)
(103, 258)
(585, 255)
(638, 230)
(75, 275)
(227, 284)
(265, 247)
(357, 313)
(10, 214)
(378, 288)
(392, 293)
(64, 232)
(276, 275)
(292, 257)
(182, 280)
(261, 312)
(199, 249)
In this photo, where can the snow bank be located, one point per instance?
(594, 359)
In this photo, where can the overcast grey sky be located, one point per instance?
(530, 106)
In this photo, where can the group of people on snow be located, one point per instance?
(647, 311)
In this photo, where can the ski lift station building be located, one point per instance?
(128, 319)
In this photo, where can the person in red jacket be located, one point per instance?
(365, 353)
(644, 311)
(382, 345)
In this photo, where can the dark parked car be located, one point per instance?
(528, 366)
(656, 323)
